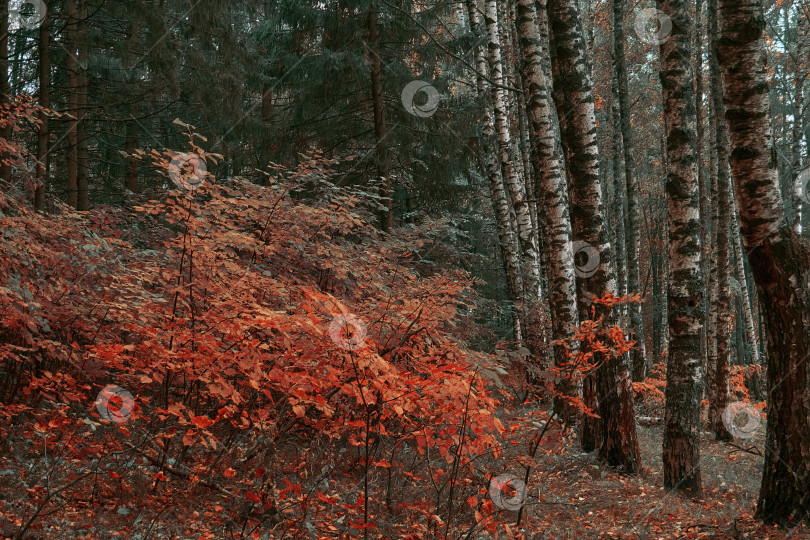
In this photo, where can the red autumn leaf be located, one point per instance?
(201, 422)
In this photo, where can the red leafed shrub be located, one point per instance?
(257, 354)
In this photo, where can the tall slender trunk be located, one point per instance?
(719, 383)
(541, 7)
(799, 77)
(515, 109)
(592, 432)
(131, 125)
(71, 38)
(550, 189)
(545, 62)
(573, 94)
(777, 261)
(5, 88)
(537, 314)
(639, 352)
(18, 49)
(743, 278)
(517, 191)
(82, 158)
(525, 148)
(380, 127)
(711, 259)
(705, 209)
(619, 239)
(44, 101)
(664, 211)
(500, 204)
(738, 329)
(796, 154)
(681, 448)
(658, 284)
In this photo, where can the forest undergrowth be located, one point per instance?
(257, 361)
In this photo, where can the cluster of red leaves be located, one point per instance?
(14, 115)
(212, 309)
(651, 390)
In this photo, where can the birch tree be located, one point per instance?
(500, 203)
(777, 261)
(573, 95)
(517, 191)
(550, 189)
(719, 371)
(743, 278)
(639, 352)
(681, 448)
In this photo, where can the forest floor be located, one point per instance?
(570, 496)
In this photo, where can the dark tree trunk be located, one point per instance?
(71, 39)
(380, 127)
(82, 158)
(639, 352)
(550, 189)
(705, 209)
(44, 101)
(573, 93)
(5, 88)
(777, 261)
(618, 217)
(718, 382)
(681, 452)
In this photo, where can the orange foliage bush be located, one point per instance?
(257, 358)
(212, 309)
